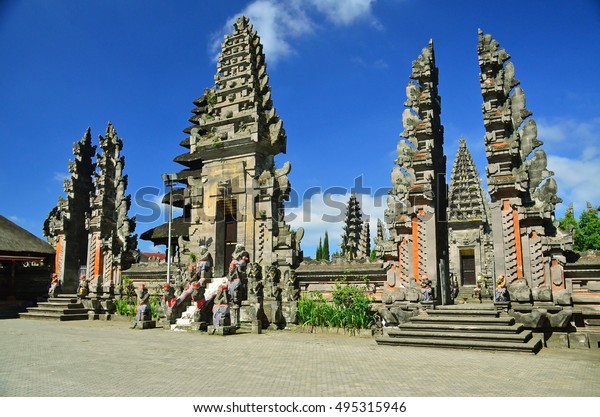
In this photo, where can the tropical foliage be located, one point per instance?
(350, 308)
(586, 230)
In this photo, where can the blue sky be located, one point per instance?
(338, 71)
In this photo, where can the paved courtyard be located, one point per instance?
(98, 358)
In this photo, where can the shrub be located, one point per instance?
(350, 308)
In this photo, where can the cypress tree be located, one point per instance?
(325, 250)
(319, 254)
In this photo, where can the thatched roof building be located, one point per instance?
(17, 244)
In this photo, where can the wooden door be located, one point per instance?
(228, 210)
(467, 269)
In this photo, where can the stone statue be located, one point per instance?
(477, 292)
(169, 303)
(84, 287)
(197, 295)
(500, 294)
(255, 284)
(237, 274)
(426, 291)
(55, 286)
(453, 286)
(187, 289)
(281, 176)
(220, 310)
(272, 278)
(142, 312)
(204, 264)
(292, 291)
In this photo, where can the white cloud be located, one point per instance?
(345, 12)
(573, 148)
(378, 64)
(279, 22)
(569, 129)
(60, 177)
(577, 181)
(145, 246)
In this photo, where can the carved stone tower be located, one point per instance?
(470, 250)
(527, 249)
(353, 227)
(110, 237)
(416, 214)
(65, 225)
(234, 193)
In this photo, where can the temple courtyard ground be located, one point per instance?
(107, 359)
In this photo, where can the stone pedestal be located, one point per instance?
(578, 341)
(273, 314)
(557, 340)
(107, 304)
(221, 330)
(594, 339)
(235, 316)
(428, 305)
(146, 324)
(200, 326)
(290, 311)
(249, 311)
(502, 306)
(256, 327)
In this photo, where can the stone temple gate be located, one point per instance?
(436, 244)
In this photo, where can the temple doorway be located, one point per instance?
(467, 267)
(227, 210)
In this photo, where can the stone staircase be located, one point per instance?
(185, 322)
(463, 327)
(62, 308)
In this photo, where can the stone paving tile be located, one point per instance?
(96, 358)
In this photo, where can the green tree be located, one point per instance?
(568, 222)
(587, 234)
(325, 253)
(319, 254)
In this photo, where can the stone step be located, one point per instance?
(63, 300)
(454, 335)
(497, 321)
(57, 310)
(463, 327)
(480, 307)
(50, 316)
(463, 312)
(60, 305)
(531, 346)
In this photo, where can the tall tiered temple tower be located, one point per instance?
(470, 250)
(527, 247)
(416, 214)
(234, 194)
